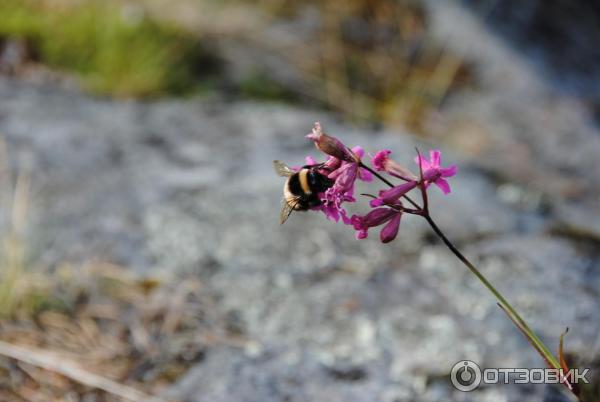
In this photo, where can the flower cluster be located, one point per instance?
(345, 165)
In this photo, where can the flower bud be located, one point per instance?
(375, 217)
(393, 195)
(390, 230)
(382, 162)
(331, 145)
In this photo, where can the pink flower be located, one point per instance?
(346, 174)
(310, 161)
(377, 217)
(331, 204)
(331, 145)
(434, 173)
(342, 191)
(380, 159)
(343, 166)
(383, 163)
(392, 195)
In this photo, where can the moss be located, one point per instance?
(111, 52)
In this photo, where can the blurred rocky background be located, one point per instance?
(141, 255)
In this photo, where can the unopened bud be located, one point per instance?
(331, 145)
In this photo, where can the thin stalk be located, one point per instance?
(422, 185)
(506, 306)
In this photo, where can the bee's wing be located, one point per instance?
(286, 210)
(282, 169)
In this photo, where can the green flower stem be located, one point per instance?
(504, 304)
(536, 342)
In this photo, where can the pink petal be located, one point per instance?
(449, 171)
(332, 163)
(332, 214)
(310, 160)
(390, 230)
(424, 162)
(337, 172)
(436, 157)
(358, 150)
(365, 175)
(348, 195)
(345, 219)
(431, 174)
(345, 181)
(376, 202)
(362, 234)
(443, 185)
(380, 158)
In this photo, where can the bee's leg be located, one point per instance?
(315, 166)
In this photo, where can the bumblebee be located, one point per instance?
(301, 189)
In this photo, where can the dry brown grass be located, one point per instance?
(14, 203)
(141, 334)
(370, 61)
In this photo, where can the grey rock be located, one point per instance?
(172, 187)
(188, 186)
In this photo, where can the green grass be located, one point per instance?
(110, 52)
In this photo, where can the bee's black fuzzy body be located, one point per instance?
(302, 189)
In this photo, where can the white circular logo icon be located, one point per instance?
(465, 375)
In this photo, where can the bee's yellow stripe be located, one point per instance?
(303, 176)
